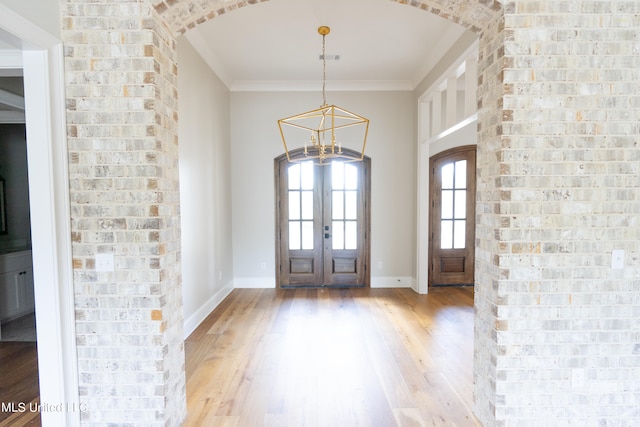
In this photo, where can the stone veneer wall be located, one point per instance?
(558, 178)
(490, 99)
(121, 80)
(566, 193)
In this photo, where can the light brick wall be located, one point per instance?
(558, 179)
(182, 15)
(567, 196)
(488, 219)
(123, 164)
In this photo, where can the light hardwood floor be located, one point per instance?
(318, 357)
(19, 384)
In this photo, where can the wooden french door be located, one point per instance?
(452, 192)
(322, 223)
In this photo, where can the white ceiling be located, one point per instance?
(382, 44)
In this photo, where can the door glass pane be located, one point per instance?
(294, 205)
(447, 176)
(307, 235)
(461, 204)
(294, 235)
(459, 234)
(461, 174)
(337, 205)
(351, 205)
(447, 204)
(337, 235)
(350, 177)
(307, 205)
(337, 175)
(294, 177)
(446, 234)
(306, 178)
(351, 235)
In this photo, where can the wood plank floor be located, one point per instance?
(19, 384)
(319, 357)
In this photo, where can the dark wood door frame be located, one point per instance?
(364, 213)
(452, 266)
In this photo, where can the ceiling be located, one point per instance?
(382, 44)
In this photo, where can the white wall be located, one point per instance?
(205, 192)
(45, 14)
(391, 146)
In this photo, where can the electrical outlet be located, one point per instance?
(617, 259)
(104, 262)
(577, 378)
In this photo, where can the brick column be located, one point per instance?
(556, 325)
(123, 161)
(490, 166)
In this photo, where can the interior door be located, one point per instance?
(322, 223)
(452, 249)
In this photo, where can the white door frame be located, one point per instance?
(43, 71)
(433, 140)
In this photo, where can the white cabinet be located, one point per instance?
(16, 285)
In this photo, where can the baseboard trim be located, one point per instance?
(254, 283)
(205, 309)
(392, 282)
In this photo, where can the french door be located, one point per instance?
(322, 223)
(452, 193)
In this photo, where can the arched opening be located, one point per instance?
(485, 20)
(178, 17)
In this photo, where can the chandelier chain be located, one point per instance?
(324, 71)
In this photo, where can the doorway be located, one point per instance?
(40, 57)
(322, 222)
(452, 224)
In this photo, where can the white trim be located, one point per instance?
(456, 68)
(11, 100)
(392, 282)
(254, 282)
(10, 63)
(205, 309)
(50, 218)
(449, 131)
(422, 253)
(429, 104)
(8, 117)
(50, 230)
(316, 86)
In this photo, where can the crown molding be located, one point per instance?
(312, 86)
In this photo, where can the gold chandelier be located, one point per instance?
(324, 130)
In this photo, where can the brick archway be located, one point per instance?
(485, 18)
(559, 107)
(122, 128)
(182, 15)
